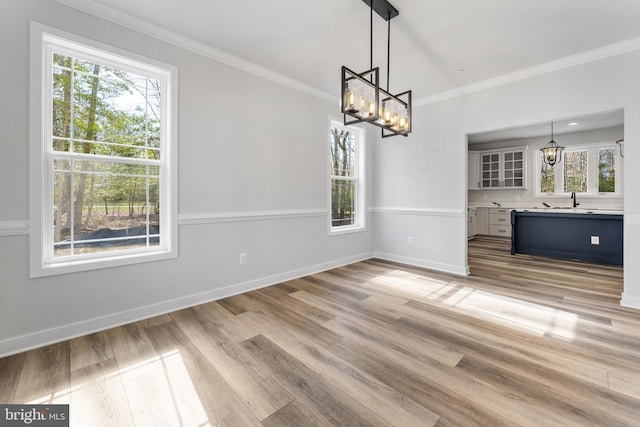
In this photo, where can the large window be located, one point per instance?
(591, 170)
(346, 178)
(105, 150)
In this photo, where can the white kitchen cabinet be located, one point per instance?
(473, 171)
(472, 226)
(500, 222)
(503, 169)
(482, 218)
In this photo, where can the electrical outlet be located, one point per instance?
(243, 258)
(410, 240)
(595, 240)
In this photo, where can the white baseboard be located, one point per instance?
(446, 268)
(61, 333)
(630, 301)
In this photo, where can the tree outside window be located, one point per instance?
(575, 171)
(606, 170)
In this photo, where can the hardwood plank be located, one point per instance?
(253, 302)
(393, 336)
(278, 301)
(499, 337)
(146, 384)
(45, 376)
(514, 405)
(195, 385)
(311, 388)
(89, 350)
(256, 388)
(98, 397)
(371, 393)
(10, 369)
(295, 414)
(225, 322)
(154, 321)
(130, 345)
(432, 395)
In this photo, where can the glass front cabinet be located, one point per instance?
(503, 169)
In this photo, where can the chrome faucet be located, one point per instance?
(573, 197)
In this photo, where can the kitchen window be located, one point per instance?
(104, 176)
(590, 170)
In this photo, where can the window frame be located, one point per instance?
(359, 178)
(44, 40)
(592, 173)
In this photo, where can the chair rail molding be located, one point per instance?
(14, 227)
(222, 217)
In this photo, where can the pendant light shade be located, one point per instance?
(552, 152)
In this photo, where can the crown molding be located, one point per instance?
(145, 27)
(537, 70)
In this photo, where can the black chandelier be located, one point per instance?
(363, 100)
(552, 152)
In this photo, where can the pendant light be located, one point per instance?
(552, 152)
(362, 98)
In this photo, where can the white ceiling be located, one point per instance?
(431, 40)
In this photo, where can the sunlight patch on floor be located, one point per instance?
(406, 282)
(522, 315)
(159, 390)
(536, 318)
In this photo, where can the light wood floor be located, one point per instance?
(522, 341)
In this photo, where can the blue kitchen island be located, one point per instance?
(580, 234)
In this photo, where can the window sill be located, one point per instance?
(347, 230)
(75, 266)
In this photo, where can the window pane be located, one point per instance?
(606, 170)
(109, 212)
(343, 147)
(61, 108)
(342, 202)
(575, 171)
(114, 111)
(110, 203)
(62, 201)
(547, 179)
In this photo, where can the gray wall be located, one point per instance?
(253, 171)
